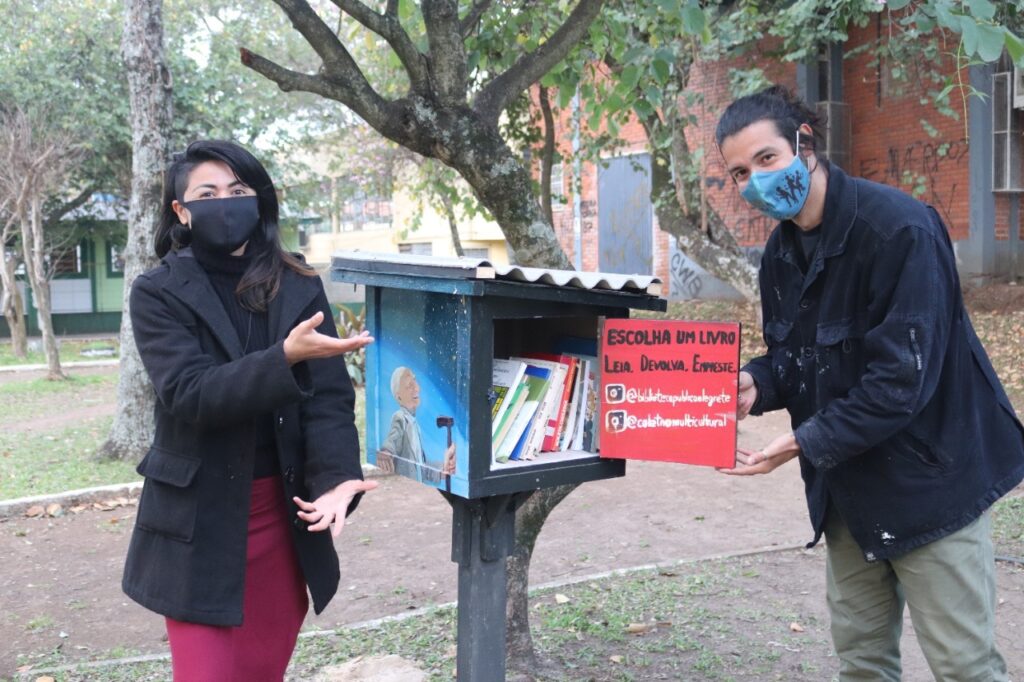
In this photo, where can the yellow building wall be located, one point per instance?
(413, 222)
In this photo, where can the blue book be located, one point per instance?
(576, 345)
(536, 380)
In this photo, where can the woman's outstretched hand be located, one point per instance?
(304, 342)
(328, 510)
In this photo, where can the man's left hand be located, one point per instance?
(330, 508)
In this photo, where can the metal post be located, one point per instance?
(483, 535)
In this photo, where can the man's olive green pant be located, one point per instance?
(950, 588)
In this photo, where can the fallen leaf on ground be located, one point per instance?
(77, 509)
(54, 509)
(45, 678)
(796, 627)
(561, 599)
(615, 659)
(639, 628)
(35, 510)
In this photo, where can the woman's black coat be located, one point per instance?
(187, 554)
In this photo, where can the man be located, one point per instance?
(904, 434)
(402, 450)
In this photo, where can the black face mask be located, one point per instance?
(223, 225)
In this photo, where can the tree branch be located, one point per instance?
(365, 102)
(447, 50)
(68, 206)
(388, 27)
(547, 154)
(339, 66)
(496, 95)
(472, 17)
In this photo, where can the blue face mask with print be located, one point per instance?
(779, 193)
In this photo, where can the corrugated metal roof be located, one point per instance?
(481, 268)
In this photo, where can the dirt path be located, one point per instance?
(6, 377)
(60, 583)
(64, 418)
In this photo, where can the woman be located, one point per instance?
(255, 454)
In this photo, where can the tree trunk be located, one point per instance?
(453, 223)
(33, 247)
(547, 155)
(699, 230)
(13, 306)
(149, 87)
(503, 185)
(530, 518)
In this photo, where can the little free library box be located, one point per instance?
(489, 383)
(442, 326)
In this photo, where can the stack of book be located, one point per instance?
(543, 403)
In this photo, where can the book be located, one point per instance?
(536, 381)
(557, 419)
(547, 412)
(586, 389)
(572, 409)
(505, 377)
(515, 404)
(591, 426)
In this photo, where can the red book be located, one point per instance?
(557, 422)
(668, 391)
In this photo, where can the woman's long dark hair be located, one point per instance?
(262, 280)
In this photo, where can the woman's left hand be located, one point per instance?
(330, 507)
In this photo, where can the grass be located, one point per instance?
(24, 400)
(55, 460)
(699, 625)
(1008, 527)
(71, 350)
(59, 460)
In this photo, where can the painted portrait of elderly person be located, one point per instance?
(402, 450)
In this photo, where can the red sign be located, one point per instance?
(668, 391)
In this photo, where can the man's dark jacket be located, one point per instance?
(187, 554)
(899, 415)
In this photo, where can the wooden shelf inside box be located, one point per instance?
(545, 458)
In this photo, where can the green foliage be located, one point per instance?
(64, 58)
(350, 324)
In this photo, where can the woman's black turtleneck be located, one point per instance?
(225, 272)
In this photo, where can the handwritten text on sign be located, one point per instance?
(668, 391)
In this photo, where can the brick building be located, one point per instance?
(874, 132)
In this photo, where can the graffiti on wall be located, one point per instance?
(687, 280)
(919, 163)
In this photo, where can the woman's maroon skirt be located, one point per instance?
(275, 605)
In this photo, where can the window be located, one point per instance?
(68, 263)
(557, 187)
(115, 259)
(1007, 129)
(476, 253)
(418, 249)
